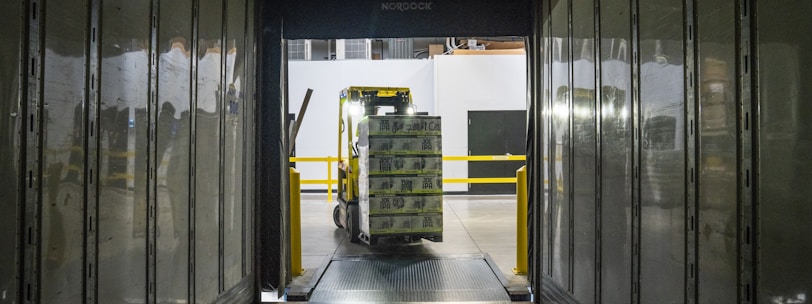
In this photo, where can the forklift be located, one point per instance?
(360, 102)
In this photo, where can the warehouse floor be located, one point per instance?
(473, 225)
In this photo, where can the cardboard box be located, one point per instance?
(402, 223)
(501, 45)
(421, 184)
(404, 125)
(391, 224)
(427, 222)
(432, 203)
(417, 184)
(380, 224)
(399, 204)
(418, 145)
(380, 185)
(406, 145)
(380, 145)
(436, 49)
(390, 204)
(405, 164)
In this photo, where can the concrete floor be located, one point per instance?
(472, 225)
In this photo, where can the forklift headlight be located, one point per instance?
(356, 109)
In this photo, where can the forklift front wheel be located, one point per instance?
(337, 216)
(352, 223)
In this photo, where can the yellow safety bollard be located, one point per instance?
(295, 223)
(521, 221)
(329, 180)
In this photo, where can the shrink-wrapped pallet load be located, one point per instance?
(400, 178)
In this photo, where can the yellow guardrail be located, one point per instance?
(329, 182)
(480, 180)
(521, 202)
(484, 157)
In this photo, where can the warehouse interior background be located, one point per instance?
(144, 153)
(446, 86)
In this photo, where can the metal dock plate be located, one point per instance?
(409, 279)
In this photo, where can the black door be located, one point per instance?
(495, 133)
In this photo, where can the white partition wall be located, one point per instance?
(474, 83)
(448, 86)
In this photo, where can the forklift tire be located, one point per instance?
(352, 223)
(336, 215)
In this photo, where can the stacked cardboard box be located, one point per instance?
(401, 176)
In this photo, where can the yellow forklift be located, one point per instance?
(360, 102)
(386, 209)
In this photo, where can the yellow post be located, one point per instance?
(349, 178)
(295, 223)
(521, 221)
(329, 179)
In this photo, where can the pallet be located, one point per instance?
(411, 237)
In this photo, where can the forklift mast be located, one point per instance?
(371, 100)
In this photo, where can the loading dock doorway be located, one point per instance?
(495, 133)
(342, 20)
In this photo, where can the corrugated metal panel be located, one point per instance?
(234, 143)
(409, 280)
(123, 121)
(111, 150)
(353, 49)
(783, 141)
(64, 136)
(684, 210)
(717, 205)
(401, 48)
(172, 157)
(299, 49)
(11, 121)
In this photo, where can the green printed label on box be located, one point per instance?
(394, 204)
(380, 224)
(427, 222)
(432, 203)
(431, 184)
(380, 185)
(380, 145)
(401, 224)
(405, 165)
(404, 125)
(406, 145)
